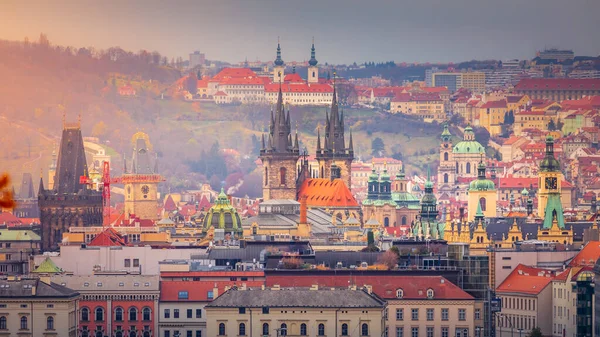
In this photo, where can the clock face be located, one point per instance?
(145, 189)
(551, 183)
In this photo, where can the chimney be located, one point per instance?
(243, 287)
(262, 287)
(276, 287)
(368, 289)
(216, 292)
(46, 279)
(314, 287)
(303, 210)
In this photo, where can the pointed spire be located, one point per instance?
(124, 164)
(479, 214)
(263, 141)
(41, 187)
(351, 144)
(313, 61)
(296, 146)
(278, 60)
(156, 163)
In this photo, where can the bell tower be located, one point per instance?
(447, 170)
(313, 70)
(278, 66)
(279, 156)
(549, 183)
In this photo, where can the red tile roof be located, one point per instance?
(557, 84)
(241, 81)
(9, 220)
(322, 192)
(234, 72)
(170, 204)
(385, 286)
(514, 99)
(494, 105)
(296, 78)
(587, 256)
(526, 280)
(197, 290)
(220, 93)
(108, 238)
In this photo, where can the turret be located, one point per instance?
(278, 66)
(313, 70)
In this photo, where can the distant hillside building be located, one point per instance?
(70, 203)
(558, 89)
(197, 59)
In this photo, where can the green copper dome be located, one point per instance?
(468, 146)
(524, 191)
(223, 216)
(481, 183)
(549, 163)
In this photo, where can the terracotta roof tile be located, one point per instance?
(526, 280)
(558, 84)
(587, 256)
(323, 192)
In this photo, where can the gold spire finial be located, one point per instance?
(79, 119)
(64, 119)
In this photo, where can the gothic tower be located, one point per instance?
(549, 189)
(447, 170)
(313, 70)
(279, 156)
(141, 181)
(69, 203)
(278, 66)
(334, 148)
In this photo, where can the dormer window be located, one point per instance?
(430, 293)
(399, 293)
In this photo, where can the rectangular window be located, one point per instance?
(198, 313)
(414, 332)
(444, 314)
(210, 295)
(462, 314)
(241, 310)
(175, 313)
(127, 263)
(429, 331)
(415, 314)
(265, 310)
(399, 331)
(189, 313)
(198, 333)
(399, 314)
(477, 314)
(430, 314)
(167, 313)
(167, 333)
(506, 267)
(182, 295)
(136, 262)
(444, 331)
(189, 333)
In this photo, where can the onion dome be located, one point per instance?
(313, 61)
(481, 183)
(222, 215)
(278, 61)
(468, 145)
(524, 192)
(446, 134)
(549, 163)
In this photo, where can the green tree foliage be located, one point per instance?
(377, 147)
(482, 135)
(551, 125)
(395, 250)
(535, 332)
(191, 83)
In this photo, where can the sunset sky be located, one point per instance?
(345, 30)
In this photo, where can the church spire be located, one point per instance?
(313, 61)
(278, 60)
(350, 143)
(318, 140)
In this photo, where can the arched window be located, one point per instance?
(119, 333)
(429, 293)
(445, 177)
(386, 222)
(364, 329)
(302, 329)
(399, 293)
(242, 329)
(283, 330)
(99, 313)
(445, 156)
(344, 329)
(132, 314)
(266, 176)
(404, 221)
(132, 333)
(85, 314)
(221, 329)
(99, 333)
(468, 168)
(23, 322)
(85, 332)
(119, 314)
(457, 167)
(146, 314)
(50, 323)
(321, 330)
(313, 74)
(3, 323)
(482, 203)
(146, 333)
(265, 329)
(282, 172)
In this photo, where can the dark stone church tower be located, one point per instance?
(70, 203)
(334, 150)
(279, 156)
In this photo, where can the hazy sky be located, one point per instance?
(344, 30)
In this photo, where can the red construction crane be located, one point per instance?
(107, 181)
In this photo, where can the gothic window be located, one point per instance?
(445, 177)
(468, 168)
(386, 221)
(266, 176)
(482, 203)
(445, 156)
(282, 172)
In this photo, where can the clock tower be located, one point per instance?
(141, 180)
(549, 185)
